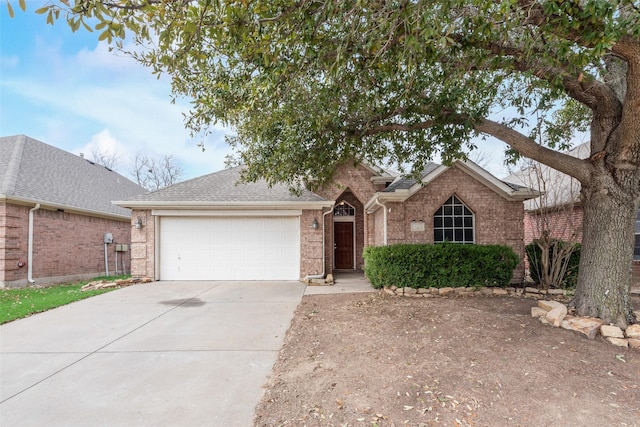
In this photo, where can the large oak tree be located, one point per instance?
(309, 84)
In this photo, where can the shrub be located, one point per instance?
(534, 255)
(439, 265)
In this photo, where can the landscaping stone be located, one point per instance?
(633, 331)
(589, 326)
(620, 342)
(634, 343)
(410, 291)
(532, 290)
(557, 315)
(611, 331)
(538, 312)
(445, 291)
(500, 292)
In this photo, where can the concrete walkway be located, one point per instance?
(158, 354)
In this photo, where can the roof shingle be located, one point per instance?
(224, 186)
(34, 171)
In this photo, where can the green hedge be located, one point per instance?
(534, 254)
(439, 265)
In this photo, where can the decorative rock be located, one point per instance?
(611, 331)
(393, 288)
(389, 291)
(486, 291)
(557, 292)
(549, 305)
(422, 290)
(410, 291)
(586, 325)
(500, 292)
(445, 291)
(634, 343)
(538, 312)
(557, 314)
(531, 290)
(434, 291)
(620, 342)
(633, 331)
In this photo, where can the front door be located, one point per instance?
(343, 245)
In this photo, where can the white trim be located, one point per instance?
(273, 205)
(69, 209)
(211, 212)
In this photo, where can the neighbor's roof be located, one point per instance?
(34, 172)
(224, 189)
(557, 188)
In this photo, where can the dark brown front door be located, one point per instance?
(343, 244)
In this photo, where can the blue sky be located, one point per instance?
(67, 90)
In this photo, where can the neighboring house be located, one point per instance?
(55, 208)
(559, 209)
(214, 228)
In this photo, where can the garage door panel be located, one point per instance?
(238, 248)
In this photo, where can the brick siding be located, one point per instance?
(497, 220)
(66, 245)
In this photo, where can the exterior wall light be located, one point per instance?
(138, 223)
(314, 224)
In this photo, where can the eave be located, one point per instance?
(44, 204)
(225, 205)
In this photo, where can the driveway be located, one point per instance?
(159, 354)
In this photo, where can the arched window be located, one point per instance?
(454, 222)
(344, 209)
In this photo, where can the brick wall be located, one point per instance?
(565, 224)
(497, 220)
(66, 245)
(310, 244)
(143, 245)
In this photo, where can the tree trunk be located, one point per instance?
(604, 280)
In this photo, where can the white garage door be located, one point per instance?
(229, 248)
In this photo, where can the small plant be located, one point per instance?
(17, 303)
(553, 263)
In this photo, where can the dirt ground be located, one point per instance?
(378, 360)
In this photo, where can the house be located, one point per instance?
(559, 208)
(215, 228)
(55, 210)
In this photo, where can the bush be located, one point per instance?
(439, 265)
(534, 255)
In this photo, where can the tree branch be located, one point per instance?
(564, 163)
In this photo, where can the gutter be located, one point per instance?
(30, 244)
(324, 238)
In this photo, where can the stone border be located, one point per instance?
(551, 310)
(528, 292)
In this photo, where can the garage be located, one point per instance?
(229, 248)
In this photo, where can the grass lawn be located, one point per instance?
(22, 302)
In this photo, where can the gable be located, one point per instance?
(362, 180)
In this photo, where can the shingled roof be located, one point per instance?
(34, 172)
(222, 188)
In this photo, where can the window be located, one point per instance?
(453, 222)
(344, 209)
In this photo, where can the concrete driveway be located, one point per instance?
(158, 354)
